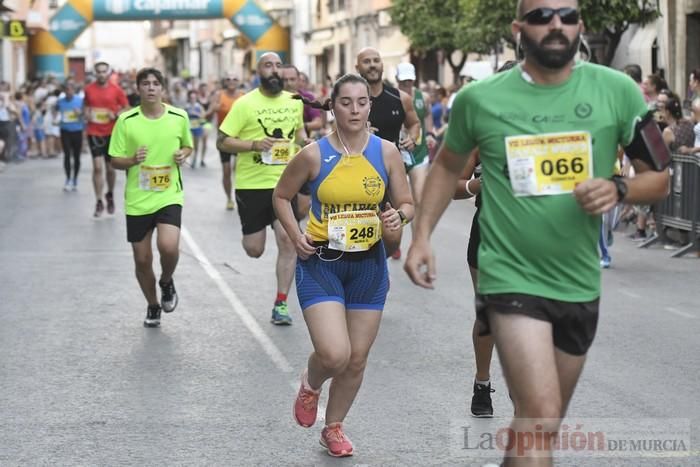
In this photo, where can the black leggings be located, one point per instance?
(72, 142)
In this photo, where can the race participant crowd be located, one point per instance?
(339, 172)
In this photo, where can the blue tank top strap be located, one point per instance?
(327, 162)
(373, 153)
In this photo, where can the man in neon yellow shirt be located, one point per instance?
(262, 127)
(151, 142)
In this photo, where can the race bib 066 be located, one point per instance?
(549, 164)
(353, 230)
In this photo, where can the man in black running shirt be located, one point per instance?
(391, 110)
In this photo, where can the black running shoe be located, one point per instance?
(99, 208)
(152, 316)
(168, 296)
(110, 203)
(481, 401)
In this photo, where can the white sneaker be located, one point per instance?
(74, 185)
(67, 185)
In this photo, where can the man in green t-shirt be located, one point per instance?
(265, 128)
(151, 142)
(548, 132)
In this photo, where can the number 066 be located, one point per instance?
(562, 166)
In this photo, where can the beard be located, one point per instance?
(373, 81)
(272, 84)
(549, 58)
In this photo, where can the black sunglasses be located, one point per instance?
(542, 16)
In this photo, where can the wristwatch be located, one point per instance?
(402, 216)
(621, 187)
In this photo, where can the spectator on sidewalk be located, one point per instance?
(679, 132)
(22, 125)
(8, 114)
(634, 71)
(51, 128)
(694, 85)
(38, 125)
(695, 148)
(652, 86)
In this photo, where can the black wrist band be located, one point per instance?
(621, 187)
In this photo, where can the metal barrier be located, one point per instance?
(681, 208)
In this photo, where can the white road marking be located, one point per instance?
(680, 313)
(239, 308)
(630, 294)
(249, 321)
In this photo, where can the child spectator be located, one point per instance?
(39, 129)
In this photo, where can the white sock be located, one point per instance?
(483, 383)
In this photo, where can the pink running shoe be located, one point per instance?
(306, 404)
(335, 441)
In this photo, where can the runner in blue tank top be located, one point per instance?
(341, 277)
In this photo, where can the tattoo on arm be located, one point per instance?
(220, 138)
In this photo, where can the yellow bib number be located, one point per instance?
(280, 153)
(154, 178)
(70, 116)
(353, 230)
(549, 164)
(101, 116)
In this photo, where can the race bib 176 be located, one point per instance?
(154, 178)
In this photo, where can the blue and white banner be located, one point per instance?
(126, 10)
(67, 25)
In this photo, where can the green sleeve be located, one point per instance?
(117, 142)
(233, 124)
(460, 134)
(632, 109)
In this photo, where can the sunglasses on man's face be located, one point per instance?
(542, 16)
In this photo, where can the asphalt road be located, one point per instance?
(83, 383)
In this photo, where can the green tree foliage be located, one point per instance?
(486, 24)
(432, 25)
(479, 25)
(611, 18)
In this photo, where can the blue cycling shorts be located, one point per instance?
(358, 280)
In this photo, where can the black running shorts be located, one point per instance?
(226, 157)
(573, 324)
(474, 240)
(255, 209)
(99, 146)
(138, 226)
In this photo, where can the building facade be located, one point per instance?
(13, 48)
(339, 29)
(669, 46)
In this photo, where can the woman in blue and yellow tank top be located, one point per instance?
(341, 277)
